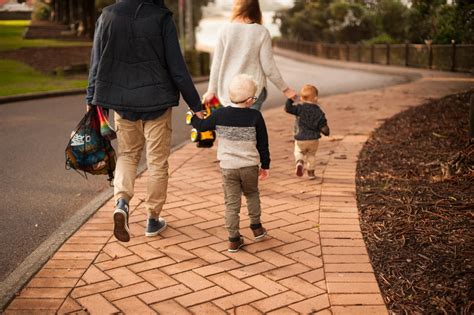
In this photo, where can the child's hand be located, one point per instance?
(264, 173)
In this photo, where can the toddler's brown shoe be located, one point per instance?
(235, 243)
(258, 230)
(311, 175)
(299, 168)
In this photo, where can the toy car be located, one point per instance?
(204, 139)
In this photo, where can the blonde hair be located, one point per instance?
(308, 92)
(247, 9)
(241, 88)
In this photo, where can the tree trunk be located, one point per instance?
(190, 41)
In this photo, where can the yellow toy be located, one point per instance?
(204, 139)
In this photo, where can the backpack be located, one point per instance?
(89, 148)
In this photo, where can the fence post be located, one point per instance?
(372, 53)
(388, 54)
(407, 54)
(430, 53)
(453, 55)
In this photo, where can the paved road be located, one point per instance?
(38, 194)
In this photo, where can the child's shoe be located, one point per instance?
(235, 243)
(311, 174)
(299, 168)
(258, 230)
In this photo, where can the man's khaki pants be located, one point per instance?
(235, 182)
(305, 150)
(132, 137)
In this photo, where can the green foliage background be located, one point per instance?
(379, 21)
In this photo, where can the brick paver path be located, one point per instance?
(314, 260)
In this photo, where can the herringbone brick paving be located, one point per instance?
(313, 261)
(187, 268)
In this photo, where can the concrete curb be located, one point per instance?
(35, 96)
(19, 277)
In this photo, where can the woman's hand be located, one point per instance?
(208, 96)
(264, 174)
(290, 93)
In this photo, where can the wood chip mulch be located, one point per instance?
(418, 219)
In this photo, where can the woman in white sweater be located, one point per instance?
(245, 46)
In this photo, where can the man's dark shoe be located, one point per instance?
(154, 227)
(258, 230)
(311, 175)
(299, 168)
(235, 243)
(121, 231)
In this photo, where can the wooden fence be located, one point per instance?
(453, 57)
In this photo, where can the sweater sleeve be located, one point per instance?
(216, 64)
(205, 124)
(262, 142)
(268, 63)
(290, 108)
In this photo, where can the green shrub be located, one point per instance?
(380, 39)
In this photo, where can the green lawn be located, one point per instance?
(11, 37)
(18, 78)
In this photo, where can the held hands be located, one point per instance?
(264, 173)
(199, 115)
(290, 93)
(88, 108)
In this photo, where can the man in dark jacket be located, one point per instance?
(137, 70)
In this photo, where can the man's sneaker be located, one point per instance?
(121, 231)
(258, 230)
(311, 175)
(299, 168)
(154, 227)
(235, 243)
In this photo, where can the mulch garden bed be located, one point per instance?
(415, 192)
(48, 59)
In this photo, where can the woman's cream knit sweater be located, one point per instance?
(243, 48)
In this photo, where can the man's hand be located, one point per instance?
(88, 107)
(264, 173)
(199, 115)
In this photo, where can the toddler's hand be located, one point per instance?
(290, 93)
(264, 174)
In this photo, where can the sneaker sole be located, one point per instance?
(121, 231)
(157, 232)
(261, 236)
(299, 170)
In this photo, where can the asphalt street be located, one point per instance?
(38, 194)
